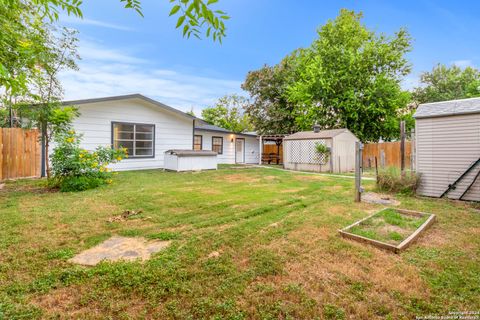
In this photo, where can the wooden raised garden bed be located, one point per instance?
(390, 229)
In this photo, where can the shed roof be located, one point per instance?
(448, 108)
(128, 97)
(322, 134)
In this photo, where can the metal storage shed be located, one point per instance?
(299, 150)
(448, 149)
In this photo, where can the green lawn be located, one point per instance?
(276, 231)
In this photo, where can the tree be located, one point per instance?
(44, 107)
(228, 113)
(350, 78)
(447, 83)
(270, 111)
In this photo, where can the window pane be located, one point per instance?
(144, 128)
(123, 127)
(143, 144)
(117, 144)
(144, 136)
(143, 151)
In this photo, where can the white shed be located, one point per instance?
(299, 150)
(448, 149)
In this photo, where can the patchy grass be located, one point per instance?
(279, 254)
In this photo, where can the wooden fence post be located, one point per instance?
(358, 171)
(402, 147)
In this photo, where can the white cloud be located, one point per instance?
(91, 22)
(463, 63)
(107, 72)
(411, 81)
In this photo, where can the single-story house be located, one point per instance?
(447, 143)
(148, 128)
(299, 150)
(231, 147)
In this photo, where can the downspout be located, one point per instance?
(193, 135)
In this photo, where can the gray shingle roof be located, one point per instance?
(203, 125)
(447, 108)
(323, 134)
(127, 97)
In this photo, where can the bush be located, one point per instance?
(76, 169)
(391, 180)
(69, 184)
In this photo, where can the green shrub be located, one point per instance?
(391, 180)
(76, 169)
(82, 183)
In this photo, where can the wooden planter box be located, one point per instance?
(379, 244)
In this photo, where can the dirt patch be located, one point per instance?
(310, 177)
(237, 177)
(379, 198)
(124, 216)
(119, 248)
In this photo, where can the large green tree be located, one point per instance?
(447, 83)
(350, 78)
(270, 111)
(228, 113)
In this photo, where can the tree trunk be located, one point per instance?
(47, 163)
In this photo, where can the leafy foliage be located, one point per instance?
(350, 78)
(76, 169)
(195, 16)
(228, 113)
(270, 111)
(448, 83)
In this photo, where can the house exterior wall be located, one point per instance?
(172, 131)
(343, 153)
(445, 148)
(228, 156)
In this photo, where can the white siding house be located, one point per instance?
(447, 144)
(231, 147)
(146, 127)
(299, 151)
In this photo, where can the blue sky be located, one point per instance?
(124, 53)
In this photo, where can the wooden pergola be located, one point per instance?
(272, 156)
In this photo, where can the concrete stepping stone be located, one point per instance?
(120, 249)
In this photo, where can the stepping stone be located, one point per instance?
(120, 249)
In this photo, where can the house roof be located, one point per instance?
(448, 108)
(201, 124)
(322, 134)
(129, 97)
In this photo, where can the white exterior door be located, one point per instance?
(239, 150)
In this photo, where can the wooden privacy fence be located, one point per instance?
(387, 153)
(20, 153)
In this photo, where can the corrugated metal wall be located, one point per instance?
(446, 147)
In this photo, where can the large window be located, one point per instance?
(139, 139)
(197, 142)
(217, 144)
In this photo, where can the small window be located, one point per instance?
(139, 139)
(197, 142)
(217, 144)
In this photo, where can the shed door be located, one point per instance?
(239, 150)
